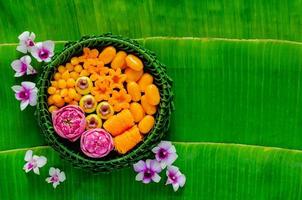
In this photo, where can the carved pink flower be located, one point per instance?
(96, 143)
(69, 122)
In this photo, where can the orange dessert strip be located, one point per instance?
(146, 124)
(127, 140)
(119, 123)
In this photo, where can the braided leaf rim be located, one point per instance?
(152, 65)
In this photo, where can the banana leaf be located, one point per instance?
(236, 67)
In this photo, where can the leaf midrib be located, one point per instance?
(203, 39)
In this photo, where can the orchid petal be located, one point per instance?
(33, 99)
(156, 178)
(146, 180)
(24, 104)
(22, 48)
(62, 176)
(28, 155)
(139, 166)
(32, 36)
(41, 161)
(48, 180)
(181, 180)
(36, 170)
(171, 158)
(49, 45)
(52, 171)
(165, 144)
(17, 88)
(16, 65)
(26, 59)
(175, 187)
(139, 176)
(155, 149)
(24, 35)
(28, 85)
(55, 184)
(30, 70)
(155, 166)
(18, 74)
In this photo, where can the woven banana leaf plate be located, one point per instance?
(71, 151)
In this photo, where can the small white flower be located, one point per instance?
(26, 42)
(22, 66)
(43, 51)
(34, 162)
(56, 176)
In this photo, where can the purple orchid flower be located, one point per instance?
(56, 177)
(22, 66)
(26, 42)
(147, 171)
(43, 51)
(175, 177)
(33, 162)
(26, 93)
(165, 153)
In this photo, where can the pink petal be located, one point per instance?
(55, 184)
(175, 187)
(62, 176)
(24, 104)
(48, 59)
(17, 88)
(30, 70)
(32, 36)
(28, 155)
(52, 171)
(181, 180)
(165, 145)
(28, 85)
(16, 65)
(155, 166)
(41, 161)
(139, 176)
(35, 52)
(155, 149)
(172, 149)
(156, 178)
(146, 180)
(33, 98)
(172, 170)
(22, 48)
(25, 167)
(171, 158)
(26, 59)
(48, 180)
(36, 170)
(139, 166)
(24, 35)
(49, 45)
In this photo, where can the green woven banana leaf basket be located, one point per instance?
(71, 151)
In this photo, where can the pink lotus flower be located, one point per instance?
(33, 162)
(26, 42)
(96, 143)
(43, 51)
(22, 66)
(175, 177)
(56, 176)
(147, 171)
(165, 153)
(69, 122)
(26, 93)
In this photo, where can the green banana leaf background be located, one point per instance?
(236, 66)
